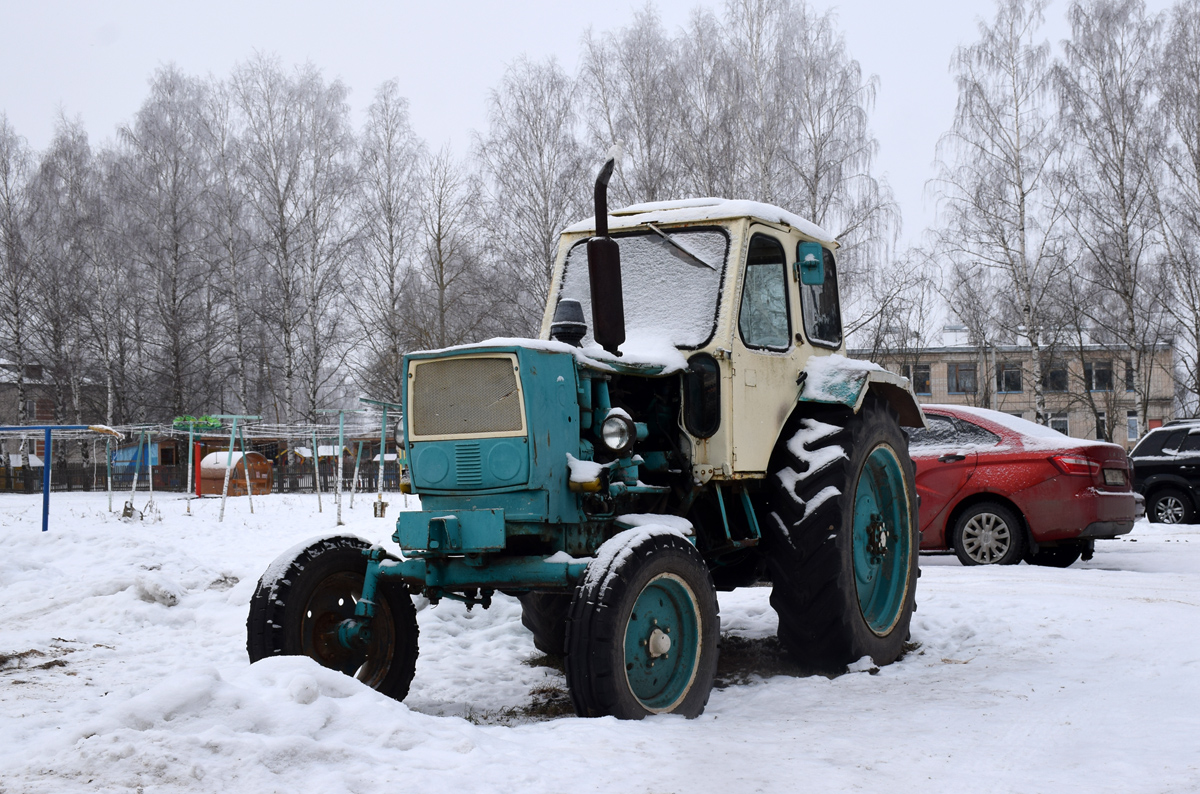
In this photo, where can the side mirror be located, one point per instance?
(810, 262)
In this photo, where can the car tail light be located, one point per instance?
(1075, 464)
(1114, 476)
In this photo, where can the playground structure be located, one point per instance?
(203, 457)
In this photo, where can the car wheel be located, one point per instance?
(988, 534)
(1170, 506)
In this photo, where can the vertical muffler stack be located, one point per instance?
(604, 273)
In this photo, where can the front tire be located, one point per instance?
(643, 630)
(304, 596)
(840, 539)
(989, 534)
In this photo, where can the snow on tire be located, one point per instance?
(309, 590)
(839, 537)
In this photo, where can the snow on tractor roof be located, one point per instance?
(702, 209)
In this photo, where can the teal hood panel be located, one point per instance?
(472, 464)
(468, 467)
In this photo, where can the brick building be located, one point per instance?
(1089, 391)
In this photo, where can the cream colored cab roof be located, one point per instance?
(702, 209)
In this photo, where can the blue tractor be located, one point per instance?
(704, 433)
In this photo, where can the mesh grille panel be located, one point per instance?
(465, 395)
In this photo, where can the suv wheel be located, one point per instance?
(1170, 506)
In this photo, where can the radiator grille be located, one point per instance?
(465, 395)
(468, 462)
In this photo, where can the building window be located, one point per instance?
(1008, 377)
(1060, 423)
(1129, 375)
(1101, 426)
(1055, 377)
(919, 375)
(960, 378)
(1098, 375)
(1131, 425)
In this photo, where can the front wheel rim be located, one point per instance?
(986, 538)
(332, 601)
(882, 540)
(1169, 510)
(663, 643)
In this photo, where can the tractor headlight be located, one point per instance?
(618, 433)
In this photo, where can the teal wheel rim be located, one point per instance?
(662, 643)
(882, 540)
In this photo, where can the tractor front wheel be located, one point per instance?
(643, 629)
(306, 594)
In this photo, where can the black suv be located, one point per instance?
(1166, 470)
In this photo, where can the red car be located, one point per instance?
(998, 489)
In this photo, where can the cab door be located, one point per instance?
(764, 351)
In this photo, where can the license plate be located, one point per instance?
(1114, 477)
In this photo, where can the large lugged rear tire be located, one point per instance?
(545, 615)
(840, 540)
(643, 630)
(307, 592)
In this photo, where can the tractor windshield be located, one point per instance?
(670, 281)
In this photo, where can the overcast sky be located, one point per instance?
(94, 59)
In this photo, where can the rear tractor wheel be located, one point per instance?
(545, 615)
(840, 538)
(643, 630)
(305, 595)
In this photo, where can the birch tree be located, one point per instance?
(999, 207)
(454, 301)
(629, 81)
(1179, 206)
(391, 159)
(537, 179)
(16, 270)
(1106, 92)
(166, 182)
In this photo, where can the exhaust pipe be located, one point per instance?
(604, 273)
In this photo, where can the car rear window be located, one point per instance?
(945, 431)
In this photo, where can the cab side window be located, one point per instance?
(822, 312)
(763, 318)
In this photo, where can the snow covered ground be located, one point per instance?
(123, 668)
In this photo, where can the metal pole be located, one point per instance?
(354, 485)
(108, 469)
(191, 462)
(46, 485)
(246, 469)
(228, 470)
(150, 472)
(137, 453)
(340, 457)
(317, 471)
(382, 452)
